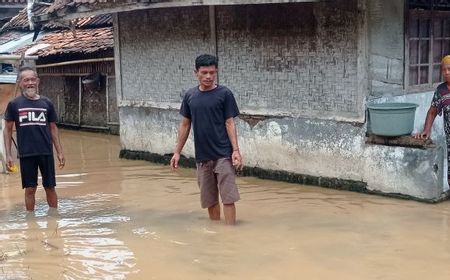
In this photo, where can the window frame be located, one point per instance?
(432, 14)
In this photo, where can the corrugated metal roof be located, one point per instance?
(10, 36)
(13, 1)
(19, 40)
(83, 41)
(8, 78)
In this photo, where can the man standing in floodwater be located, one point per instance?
(211, 109)
(440, 104)
(35, 120)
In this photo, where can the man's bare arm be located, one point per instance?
(57, 143)
(7, 138)
(232, 135)
(183, 134)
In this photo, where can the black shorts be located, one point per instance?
(29, 171)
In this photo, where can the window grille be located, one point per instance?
(428, 40)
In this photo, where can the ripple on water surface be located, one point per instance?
(78, 242)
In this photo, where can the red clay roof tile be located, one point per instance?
(83, 41)
(20, 21)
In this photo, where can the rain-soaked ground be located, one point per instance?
(122, 219)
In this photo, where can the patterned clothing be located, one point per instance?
(441, 101)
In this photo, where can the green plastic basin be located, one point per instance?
(392, 119)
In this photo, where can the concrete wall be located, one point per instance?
(437, 132)
(386, 52)
(319, 148)
(386, 71)
(297, 67)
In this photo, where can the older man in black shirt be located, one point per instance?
(37, 133)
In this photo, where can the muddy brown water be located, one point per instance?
(123, 219)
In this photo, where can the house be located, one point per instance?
(10, 8)
(302, 73)
(75, 64)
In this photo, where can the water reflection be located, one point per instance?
(122, 219)
(78, 242)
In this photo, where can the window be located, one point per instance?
(428, 40)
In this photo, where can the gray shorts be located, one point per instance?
(214, 177)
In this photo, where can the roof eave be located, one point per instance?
(70, 13)
(13, 6)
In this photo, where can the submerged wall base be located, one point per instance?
(284, 176)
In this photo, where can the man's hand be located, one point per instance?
(174, 161)
(422, 135)
(9, 162)
(237, 160)
(62, 160)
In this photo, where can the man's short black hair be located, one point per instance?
(206, 60)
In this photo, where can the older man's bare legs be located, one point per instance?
(30, 197)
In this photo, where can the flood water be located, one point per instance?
(123, 219)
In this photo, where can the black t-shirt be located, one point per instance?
(32, 118)
(208, 111)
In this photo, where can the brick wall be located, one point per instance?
(386, 54)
